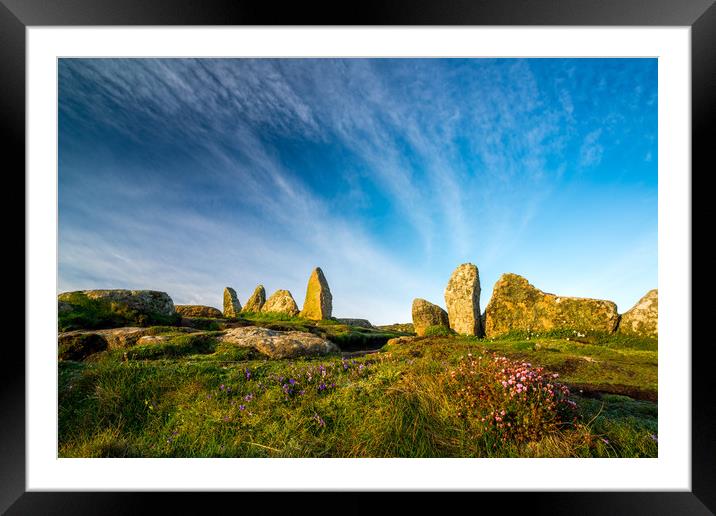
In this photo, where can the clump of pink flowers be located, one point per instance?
(510, 400)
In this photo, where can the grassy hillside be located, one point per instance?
(429, 397)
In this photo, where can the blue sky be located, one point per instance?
(190, 175)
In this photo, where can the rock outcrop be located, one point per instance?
(79, 344)
(462, 299)
(279, 344)
(256, 301)
(516, 305)
(282, 302)
(362, 323)
(232, 307)
(642, 320)
(318, 304)
(426, 314)
(149, 302)
(199, 311)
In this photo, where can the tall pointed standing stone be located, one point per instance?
(256, 301)
(319, 300)
(462, 299)
(232, 307)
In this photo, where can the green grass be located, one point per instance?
(395, 403)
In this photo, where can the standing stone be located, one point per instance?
(426, 314)
(282, 302)
(462, 299)
(516, 305)
(232, 307)
(256, 301)
(318, 304)
(642, 319)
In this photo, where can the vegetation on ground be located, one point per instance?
(423, 397)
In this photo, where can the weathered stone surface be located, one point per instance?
(281, 301)
(279, 344)
(462, 299)
(516, 305)
(426, 314)
(362, 323)
(319, 300)
(232, 307)
(256, 301)
(151, 302)
(642, 319)
(199, 311)
(79, 345)
(113, 338)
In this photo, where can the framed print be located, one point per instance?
(419, 249)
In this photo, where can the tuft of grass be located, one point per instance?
(175, 346)
(439, 331)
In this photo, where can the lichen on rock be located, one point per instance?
(642, 320)
(462, 300)
(279, 344)
(232, 306)
(426, 315)
(256, 301)
(282, 302)
(198, 311)
(318, 303)
(516, 305)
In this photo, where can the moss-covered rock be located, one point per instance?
(318, 303)
(281, 302)
(89, 309)
(426, 315)
(642, 320)
(79, 345)
(208, 312)
(516, 305)
(256, 301)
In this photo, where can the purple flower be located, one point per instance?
(248, 397)
(247, 373)
(291, 381)
(322, 386)
(654, 437)
(242, 407)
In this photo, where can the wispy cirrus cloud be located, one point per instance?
(193, 173)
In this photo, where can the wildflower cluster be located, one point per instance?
(510, 400)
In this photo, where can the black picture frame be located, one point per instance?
(700, 15)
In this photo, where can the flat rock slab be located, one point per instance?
(279, 344)
(79, 344)
(208, 312)
(361, 323)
